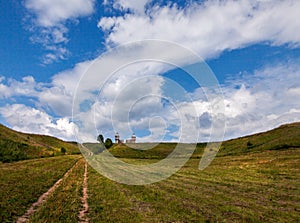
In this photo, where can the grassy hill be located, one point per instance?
(19, 146)
(16, 146)
(253, 179)
(284, 137)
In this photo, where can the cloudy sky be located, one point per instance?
(65, 71)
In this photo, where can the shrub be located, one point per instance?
(249, 144)
(63, 150)
(108, 143)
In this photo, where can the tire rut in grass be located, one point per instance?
(84, 199)
(43, 198)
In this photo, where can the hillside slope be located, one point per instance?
(19, 146)
(284, 137)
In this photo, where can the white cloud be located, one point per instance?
(5, 92)
(51, 96)
(31, 120)
(57, 100)
(210, 27)
(130, 88)
(49, 19)
(137, 6)
(12, 87)
(269, 100)
(132, 101)
(27, 86)
(264, 100)
(240, 103)
(50, 13)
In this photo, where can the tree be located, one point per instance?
(108, 143)
(249, 144)
(63, 150)
(100, 138)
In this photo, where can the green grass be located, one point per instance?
(138, 151)
(283, 137)
(16, 146)
(23, 182)
(257, 187)
(247, 182)
(108, 203)
(95, 148)
(64, 204)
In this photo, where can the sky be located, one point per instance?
(74, 69)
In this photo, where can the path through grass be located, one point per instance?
(254, 187)
(22, 183)
(64, 204)
(258, 187)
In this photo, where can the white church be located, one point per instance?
(119, 141)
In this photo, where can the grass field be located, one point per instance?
(23, 182)
(261, 187)
(15, 146)
(283, 137)
(64, 204)
(247, 182)
(257, 187)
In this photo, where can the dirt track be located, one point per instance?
(43, 198)
(84, 199)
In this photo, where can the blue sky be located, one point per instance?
(252, 48)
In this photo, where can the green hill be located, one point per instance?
(16, 146)
(19, 146)
(284, 137)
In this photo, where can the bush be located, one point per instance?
(63, 150)
(249, 144)
(108, 143)
(12, 151)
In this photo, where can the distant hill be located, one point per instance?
(19, 146)
(284, 137)
(16, 146)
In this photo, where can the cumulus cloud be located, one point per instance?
(4, 90)
(210, 27)
(54, 97)
(137, 6)
(266, 99)
(11, 87)
(49, 23)
(123, 89)
(50, 13)
(134, 101)
(31, 120)
(133, 98)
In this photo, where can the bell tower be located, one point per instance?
(117, 138)
(133, 138)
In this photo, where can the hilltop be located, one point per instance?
(284, 137)
(16, 146)
(252, 179)
(19, 146)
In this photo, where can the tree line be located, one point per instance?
(107, 142)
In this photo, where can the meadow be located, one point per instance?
(16, 146)
(24, 181)
(247, 182)
(258, 187)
